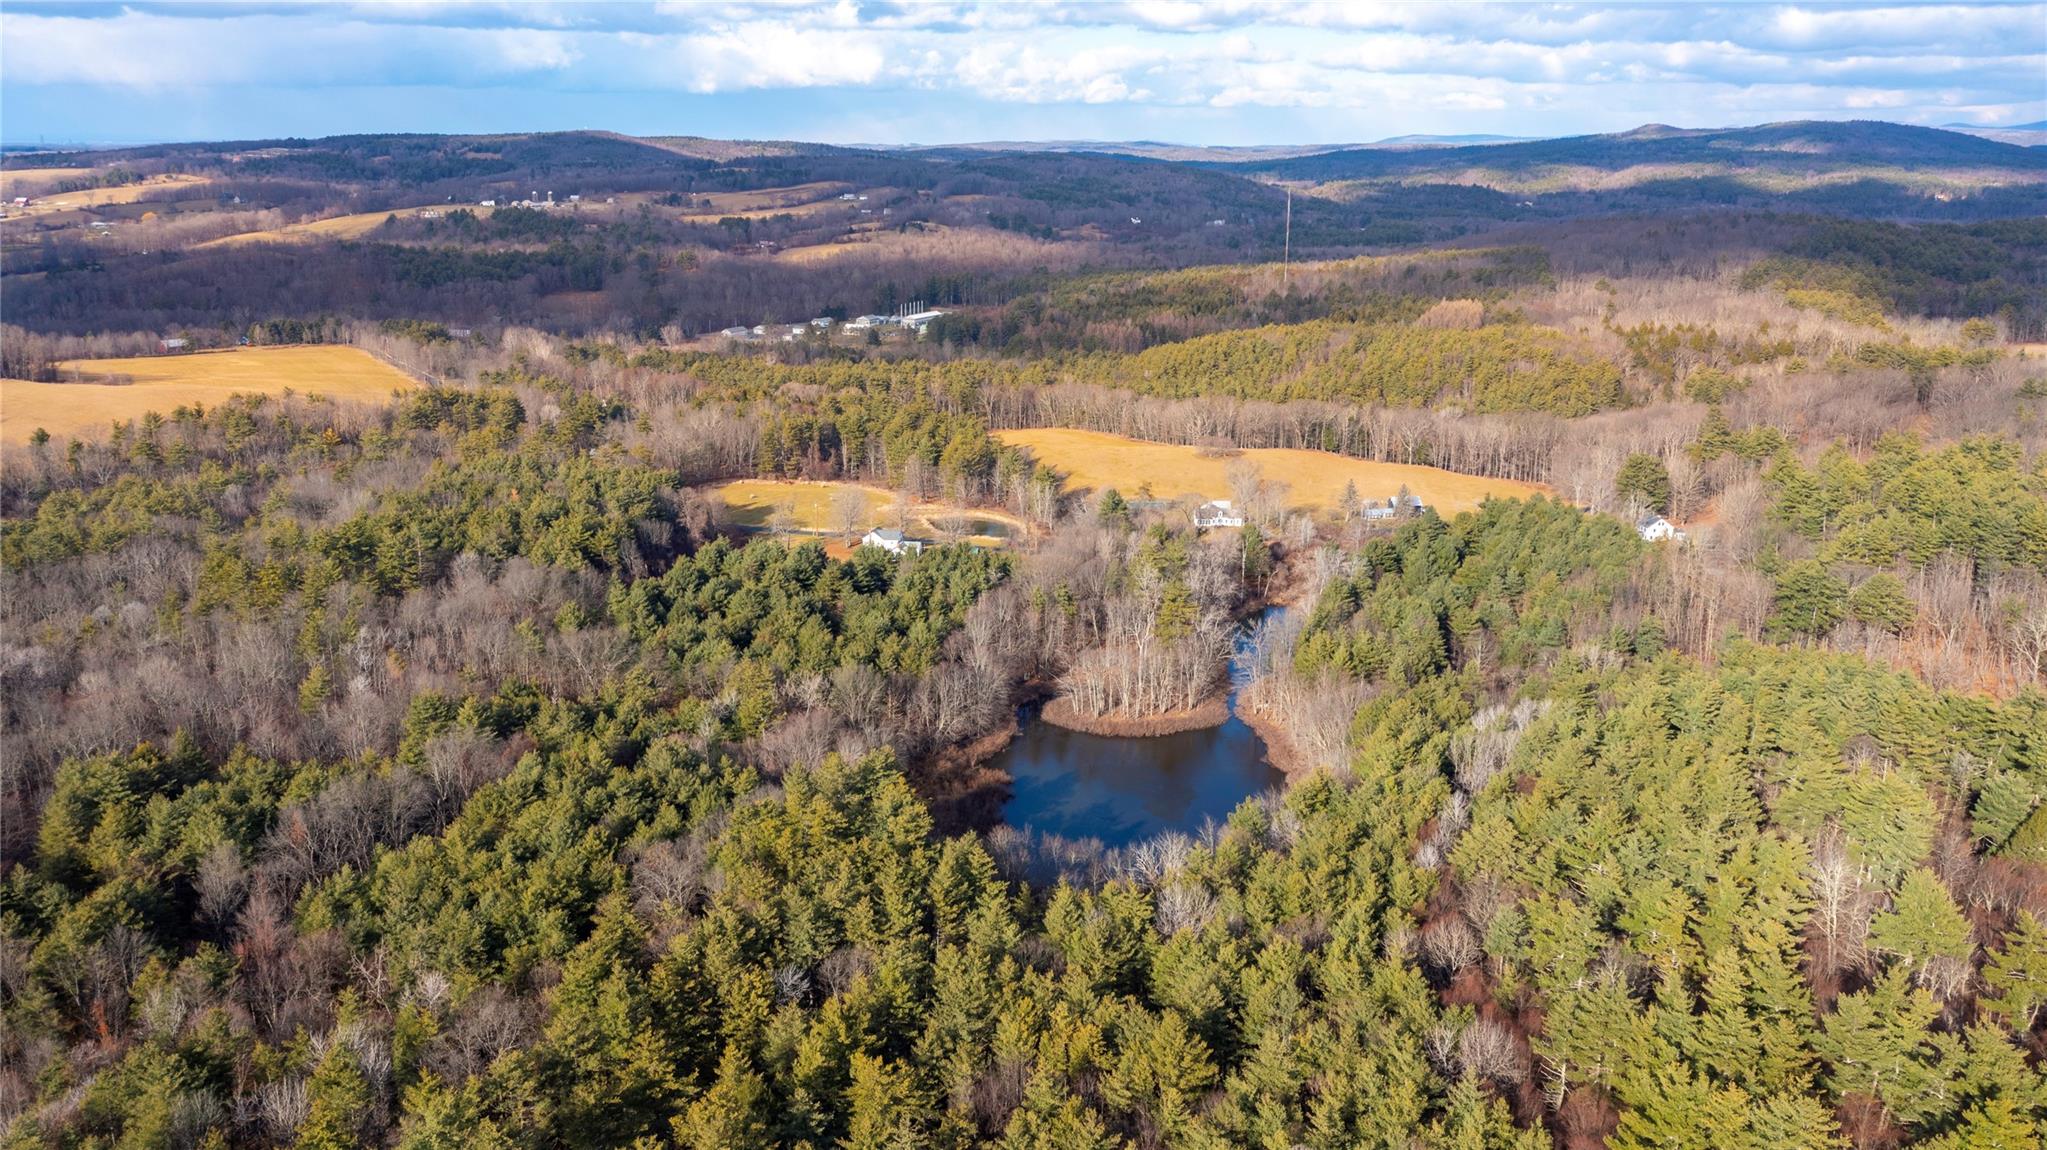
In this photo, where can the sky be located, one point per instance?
(1227, 72)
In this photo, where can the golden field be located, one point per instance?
(94, 197)
(163, 383)
(772, 199)
(1097, 460)
(33, 181)
(349, 227)
(753, 503)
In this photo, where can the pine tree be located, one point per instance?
(1809, 600)
(1162, 1071)
(338, 1099)
(1793, 1122)
(731, 1115)
(2016, 975)
(1051, 1118)
(1643, 479)
(1923, 925)
(1881, 601)
(882, 1106)
(614, 1073)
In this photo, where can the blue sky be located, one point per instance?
(1227, 72)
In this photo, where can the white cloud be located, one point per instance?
(1672, 62)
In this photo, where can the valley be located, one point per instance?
(574, 639)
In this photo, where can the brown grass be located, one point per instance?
(349, 227)
(97, 197)
(163, 383)
(753, 502)
(768, 201)
(1097, 460)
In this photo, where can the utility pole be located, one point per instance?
(1286, 250)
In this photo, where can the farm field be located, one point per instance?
(1097, 460)
(349, 227)
(99, 197)
(754, 502)
(162, 383)
(769, 200)
(33, 181)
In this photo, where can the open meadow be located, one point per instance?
(349, 227)
(1097, 460)
(96, 392)
(814, 508)
(49, 203)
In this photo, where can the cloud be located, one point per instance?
(1454, 62)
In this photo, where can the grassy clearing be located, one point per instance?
(34, 181)
(1096, 460)
(163, 383)
(770, 200)
(349, 227)
(101, 197)
(813, 508)
(753, 503)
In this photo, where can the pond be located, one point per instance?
(987, 528)
(1120, 790)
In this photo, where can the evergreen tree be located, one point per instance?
(1644, 480)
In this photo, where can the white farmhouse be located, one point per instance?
(1655, 528)
(892, 541)
(1217, 513)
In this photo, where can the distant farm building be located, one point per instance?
(736, 332)
(1217, 513)
(170, 345)
(892, 541)
(1395, 507)
(1655, 528)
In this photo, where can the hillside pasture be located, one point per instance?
(1094, 460)
(349, 227)
(96, 392)
(41, 205)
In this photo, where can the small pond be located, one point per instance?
(988, 528)
(1120, 790)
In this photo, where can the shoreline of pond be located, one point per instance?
(1212, 711)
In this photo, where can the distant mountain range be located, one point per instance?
(1206, 153)
(1860, 168)
(2031, 135)
(1794, 152)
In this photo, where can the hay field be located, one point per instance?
(753, 503)
(1097, 460)
(32, 181)
(101, 197)
(349, 227)
(162, 383)
(770, 200)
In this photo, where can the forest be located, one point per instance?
(461, 771)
